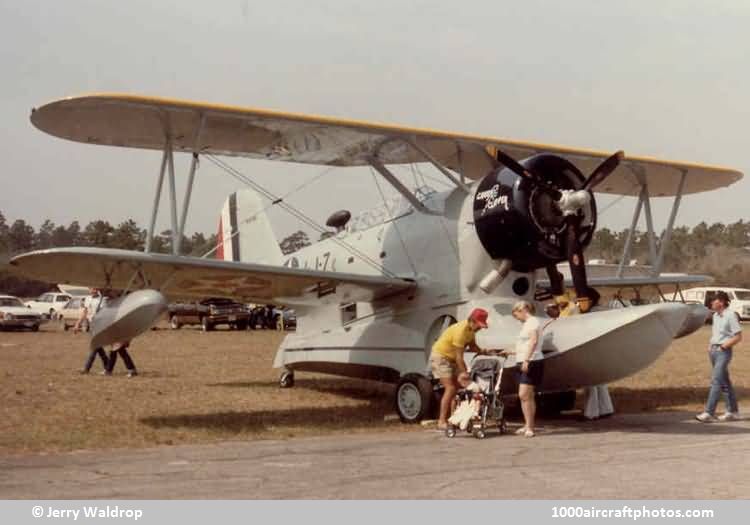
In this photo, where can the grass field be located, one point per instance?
(204, 387)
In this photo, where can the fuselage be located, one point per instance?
(443, 254)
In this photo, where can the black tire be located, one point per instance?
(413, 398)
(554, 403)
(450, 432)
(242, 325)
(286, 380)
(206, 325)
(35, 328)
(174, 324)
(65, 326)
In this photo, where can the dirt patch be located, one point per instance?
(199, 387)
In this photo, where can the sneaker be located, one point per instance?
(132, 373)
(529, 434)
(106, 373)
(521, 431)
(705, 417)
(729, 416)
(83, 372)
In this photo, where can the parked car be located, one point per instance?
(14, 314)
(209, 313)
(49, 304)
(71, 312)
(739, 298)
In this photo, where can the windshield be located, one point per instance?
(743, 295)
(10, 301)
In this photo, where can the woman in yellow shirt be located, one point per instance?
(447, 357)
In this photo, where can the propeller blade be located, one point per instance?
(604, 170)
(587, 297)
(514, 166)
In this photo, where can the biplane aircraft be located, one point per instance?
(373, 296)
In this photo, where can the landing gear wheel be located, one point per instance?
(413, 398)
(206, 325)
(450, 431)
(174, 324)
(286, 380)
(479, 433)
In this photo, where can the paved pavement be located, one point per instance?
(665, 455)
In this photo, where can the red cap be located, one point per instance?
(479, 316)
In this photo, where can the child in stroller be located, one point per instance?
(479, 401)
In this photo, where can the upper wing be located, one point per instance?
(192, 277)
(145, 122)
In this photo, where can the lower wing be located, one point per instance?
(192, 277)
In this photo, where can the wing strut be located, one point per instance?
(167, 164)
(656, 256)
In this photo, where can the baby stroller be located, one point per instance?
(485, 400)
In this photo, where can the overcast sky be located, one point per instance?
(667, 78)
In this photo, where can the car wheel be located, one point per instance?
(174, 324)
(65, 326)
(35, 328)
(413, 398)
(206, 325)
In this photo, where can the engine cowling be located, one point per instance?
(517, 220)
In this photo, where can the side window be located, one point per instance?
(348, 312)
(46, 298)
(62, 299)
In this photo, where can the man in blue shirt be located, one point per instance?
(726, 332)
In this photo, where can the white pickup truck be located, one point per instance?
(49, 304)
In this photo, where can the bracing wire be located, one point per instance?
(395, 226)
(275, 200)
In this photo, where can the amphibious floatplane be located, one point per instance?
(372, 297)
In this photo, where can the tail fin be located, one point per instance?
(245, 235)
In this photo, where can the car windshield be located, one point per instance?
(10, 301)
(743, 295)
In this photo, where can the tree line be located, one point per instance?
(716, 249)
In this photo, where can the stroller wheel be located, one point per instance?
(502, 427)
(450, 431)
(479, 433)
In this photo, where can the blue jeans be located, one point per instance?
(720, 380)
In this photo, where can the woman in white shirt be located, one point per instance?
(529, 356)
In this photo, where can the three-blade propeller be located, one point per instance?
(574, 250)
